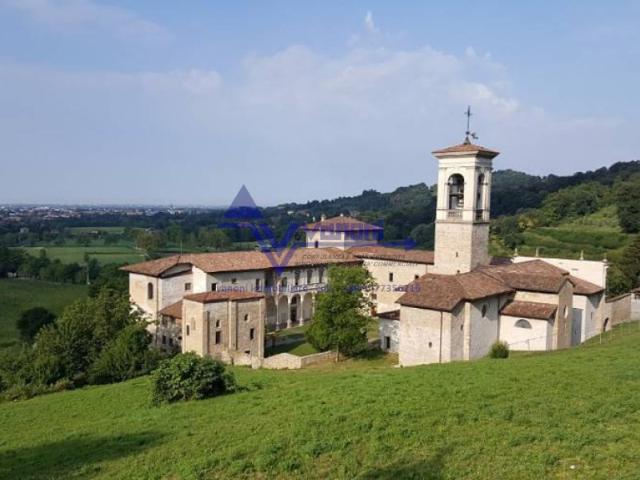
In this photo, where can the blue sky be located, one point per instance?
(184, 102)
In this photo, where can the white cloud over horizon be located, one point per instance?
(295, 125)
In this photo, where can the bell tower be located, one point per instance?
(462, 217)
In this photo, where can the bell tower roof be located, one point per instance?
(465, 148)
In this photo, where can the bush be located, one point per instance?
(31, 321)
(128, 356)
(188, 376)
(499, 350)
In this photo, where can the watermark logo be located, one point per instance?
(243, 213)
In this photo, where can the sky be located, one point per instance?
(164, 102)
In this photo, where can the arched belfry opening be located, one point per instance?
(456, 192)
(480, 192)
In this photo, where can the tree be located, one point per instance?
(627, 199)
(630, 262)
(188, 376)
(340, 320)
(31, 321)
(128, 356)
(424, 235)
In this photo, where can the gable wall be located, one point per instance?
(403, 274)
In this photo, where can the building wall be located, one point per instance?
(423, 333)
(341, 240)
(172, 289)
(460, 246)
(537, 338)
(481, 331)
(590, 308)
(233, 320)
(391, 329)
(138, 294)
(386, 292)
(635, 306)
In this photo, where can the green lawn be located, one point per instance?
(19, 295)
(104, 254)
(572, 414)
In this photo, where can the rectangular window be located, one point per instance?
(218, 338)
(309, 276)
(296, 278)
(387, 343)
(170, 342)
(320, 275)
(258, 285)
(233, 281)
(416, 276)
(283, 282)
(252, 333)
(187, 287)
(164, 339)
(214, 287)
(391, 276)
(188, 330)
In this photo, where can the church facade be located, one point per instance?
(433, 307)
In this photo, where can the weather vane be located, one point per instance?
(469, 133)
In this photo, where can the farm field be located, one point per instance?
(572, 414)
(104, 254)
(17, 296)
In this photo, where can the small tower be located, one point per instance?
(462, 218)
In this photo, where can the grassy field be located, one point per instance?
(19, 295)
(572, 414)
(104, 254)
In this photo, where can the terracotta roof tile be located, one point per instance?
(174, 310)
(532, 276)
(244, 261)
(466, 147)
(541, 311)
(223, 296)
(397, 254)
(342, 224)
(583, 287)
(445, 292)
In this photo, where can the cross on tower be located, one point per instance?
(469, 133)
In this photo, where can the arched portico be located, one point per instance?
(307, 307)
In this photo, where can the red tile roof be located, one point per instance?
(466, 147)
(445, 292)
(342, 224)
(583, 287)
(397, 254)
(244, 261)
(532, 276)
(541, 311)
(223, 296)
(174, 310)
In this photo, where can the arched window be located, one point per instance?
(150, 291)
(456, 192)
(522, 323)
(480, 192)
(246, 317)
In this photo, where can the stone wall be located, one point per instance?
(390, 329)
(425, 336)
(287, 361)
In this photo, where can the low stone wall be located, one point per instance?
(618, 310)
(287, 361)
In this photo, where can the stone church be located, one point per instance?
(449, 304)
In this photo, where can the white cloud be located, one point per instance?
(369, 24)
(292, 125)
(87, 14)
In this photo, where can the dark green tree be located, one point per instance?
(627, 199)
(31, 321)
(341, 317)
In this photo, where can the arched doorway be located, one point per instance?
(283, 311)
(294, 307)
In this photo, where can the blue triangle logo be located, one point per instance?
(243, 207)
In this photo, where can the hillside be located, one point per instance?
(551, 415)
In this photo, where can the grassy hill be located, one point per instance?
(572, 414)
(19, 295)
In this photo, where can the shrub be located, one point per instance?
(31, 321)
(128, 356)
(499, 350)
(190, 377)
